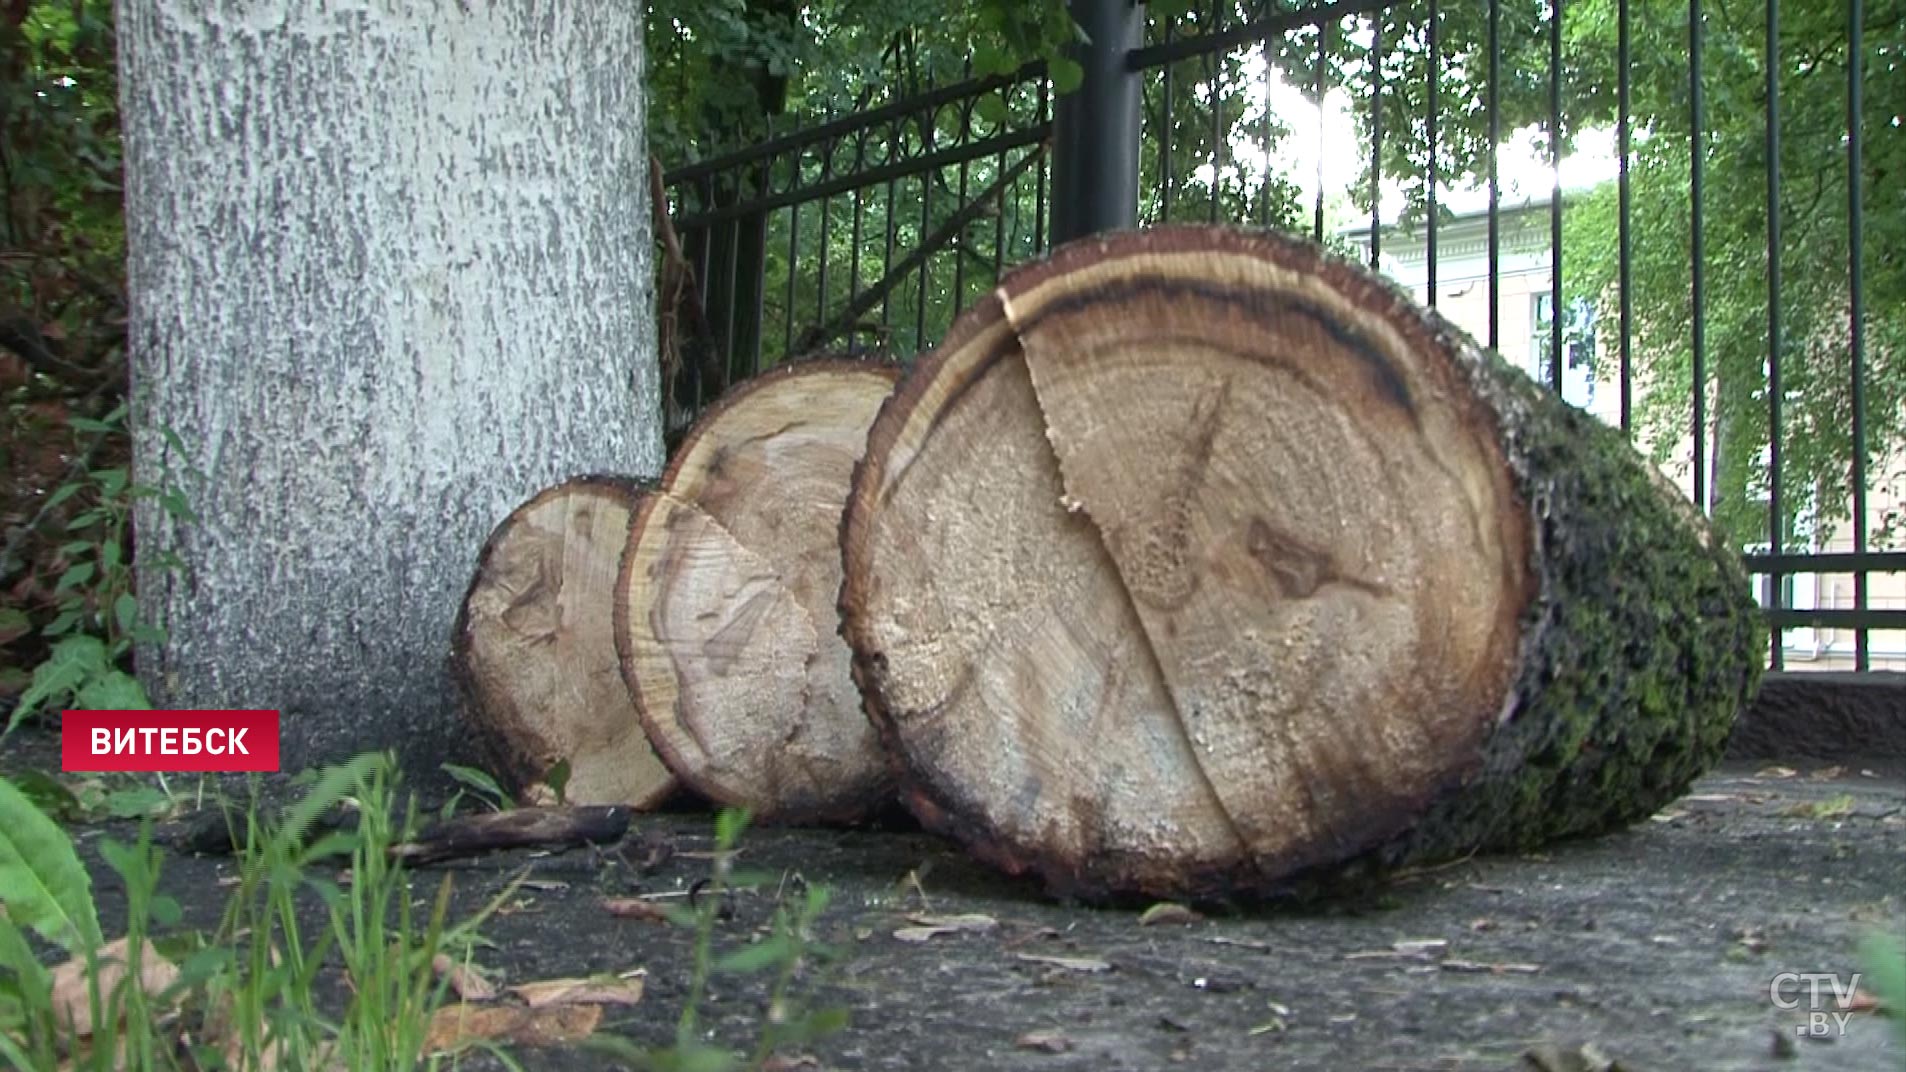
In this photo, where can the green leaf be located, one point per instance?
(13, 624)
(1065, 72)
(17, 956)
(991, 60)
(76, 574)
(991, 107)
(114, 690)
(42, 881)
(63, 493)
(558, 781)
(770, 951)
(333, 785)
(729, 823)
(47, 793)
(175, 505)
(1884, 958)
(87, 424)
(62, 624)
(126, 611)
(482, 783)
(165, 911)
(111, 481)
(137, 802)
(73, 661)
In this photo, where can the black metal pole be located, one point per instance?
(1095, 128)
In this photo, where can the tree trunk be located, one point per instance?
(534, 649)
(726, 616)
(389, 274)
(1197, 561)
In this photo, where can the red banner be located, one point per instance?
(169, 741)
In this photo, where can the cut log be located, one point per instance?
(1197, 561)
(726, 610)
(534, 656)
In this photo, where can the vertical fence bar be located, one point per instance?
(1009, 195)
(1697, 252)
(1435, 83)
(794, 261)
(1323, 52)
(1623, 236)
(1776, 528)
(1095, 145)
(1164, 133)
(1264, 140)
(1556, 314)
(1856, 301)
(1493, 104)
(1039, 186)
(958, 245)
(1215, 64)
(820, 272)
(1376, 141)
(886, 261)
(731, 288)
(760, 296)
(926, 263)
(853, 254)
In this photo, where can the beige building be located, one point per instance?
(1462, 295)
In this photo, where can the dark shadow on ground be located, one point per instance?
(1657, 946)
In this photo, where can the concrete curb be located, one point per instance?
(1830, 716)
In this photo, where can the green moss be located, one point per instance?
(1640, 648)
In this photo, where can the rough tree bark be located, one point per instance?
(389, 276)
(1199, 561)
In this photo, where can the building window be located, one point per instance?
(1578, 347)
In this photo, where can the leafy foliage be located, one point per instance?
(42, 882)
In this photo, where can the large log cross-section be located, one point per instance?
(1197, 560)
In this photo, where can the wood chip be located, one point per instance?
(635, 908)
(1478, 967)
(1089, 965)
(454, 1027)
(597, 990)
(1044, 1042)
(927, 927)
(464, 979)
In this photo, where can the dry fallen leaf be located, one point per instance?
(928, 927)
(1044, 1042)
(1775, 772)
(1089, 965)
(455, 1026)
(72, 994)
(635, 908)
(801, 1062)
(600, 990)
(468, 983)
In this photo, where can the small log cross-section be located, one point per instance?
(534, 655)
(726, 609)
(1200, 561)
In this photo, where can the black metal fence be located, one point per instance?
(1660, 209)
